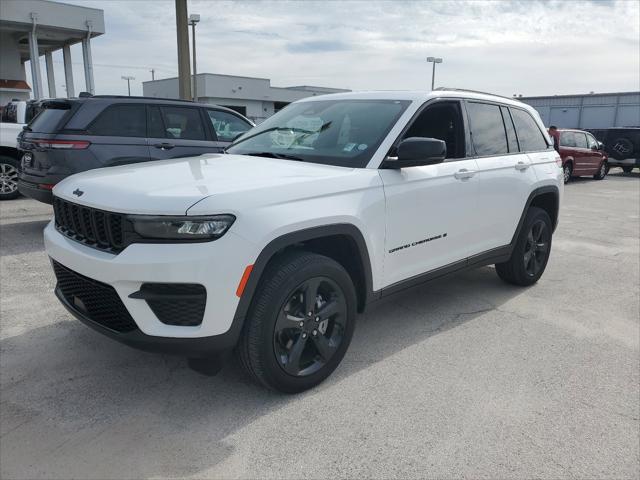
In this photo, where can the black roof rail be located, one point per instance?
(440, 89)
(135, 97)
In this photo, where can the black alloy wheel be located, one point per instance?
(310, 326)
(536, 248)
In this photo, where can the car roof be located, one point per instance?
(419, 96)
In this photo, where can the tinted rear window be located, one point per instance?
(529, 134)
(48, 120)
(121, 121)
(487, 129)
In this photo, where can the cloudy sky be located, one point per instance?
(519, 47)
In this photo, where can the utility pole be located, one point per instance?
(153, 74)
(128, 79)
(182, 32)
(193, 19)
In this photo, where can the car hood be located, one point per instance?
(170, 187)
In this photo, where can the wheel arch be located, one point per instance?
(547, 198)
(342, 242)
(10, 152)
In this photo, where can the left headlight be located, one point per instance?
(181, 228)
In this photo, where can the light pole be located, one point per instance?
(128, 79)
(433, 60)
(193, 19)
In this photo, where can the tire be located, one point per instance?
(567, 170)
(622, 148)
(627, 169)
(602, 172)
(283, 347)
(531, 252)
(8, 178)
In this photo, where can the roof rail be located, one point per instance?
(473, 91)
(143, 98)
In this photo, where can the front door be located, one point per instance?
(431, 210)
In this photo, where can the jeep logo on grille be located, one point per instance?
(78, 192)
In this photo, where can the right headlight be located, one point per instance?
(181, 227)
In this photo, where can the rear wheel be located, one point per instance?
(8, 178)
(566, 171)
(531, 252)
(602, 171)
(300, 323)
(627, 169)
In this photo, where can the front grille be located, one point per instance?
(94, 228)
(97, 301)
(179, 304)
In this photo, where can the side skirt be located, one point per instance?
(496, 255)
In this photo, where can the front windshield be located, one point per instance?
(334, 132)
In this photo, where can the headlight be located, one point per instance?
(182, 228)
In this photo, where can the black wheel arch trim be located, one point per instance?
(532, 196)
(291, 239)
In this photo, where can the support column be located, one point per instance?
(68, 72)
(184, 69)
(34, 58)
(86, 59)
(51, 81)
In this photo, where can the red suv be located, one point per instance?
(581, 153)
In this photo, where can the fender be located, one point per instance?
(292, 238)
(535, 193)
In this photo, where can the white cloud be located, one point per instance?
(526, 47)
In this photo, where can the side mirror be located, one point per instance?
(601, 146)
(417, 151)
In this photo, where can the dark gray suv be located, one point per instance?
(73, 135)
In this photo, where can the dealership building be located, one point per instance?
(253, 97)
(591, 111)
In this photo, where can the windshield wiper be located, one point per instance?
(281, 156)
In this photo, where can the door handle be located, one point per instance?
(164, 146)
(464, 173)
(522, 165)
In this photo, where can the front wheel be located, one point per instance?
(602, 171)
(300, 322)
(531, 251)
(8, 178)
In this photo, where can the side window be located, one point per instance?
(567, 139)
(529, 134)
(511, 131)
(226, 125)
(442, 120)
(155, 125)
(487, 129)
(581, 139)
(120, 121)
(183, 123)
(592, 143)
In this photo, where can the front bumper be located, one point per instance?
(218, 266)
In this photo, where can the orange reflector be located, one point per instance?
(244, 280)
(46, 186)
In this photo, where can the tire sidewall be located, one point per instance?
(533, 215)
(566, 178)
(276, 377)
(16, 164)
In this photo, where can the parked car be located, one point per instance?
(581, 154)
(334, 202)
(74, 135)
(14, 117)
(622, 145)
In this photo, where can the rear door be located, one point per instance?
(179, 131)
(582, 154)
(595, 155)
(505, 173)
(117, 135)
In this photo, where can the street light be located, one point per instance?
(128, 79)
(433, 60)
(193, 19)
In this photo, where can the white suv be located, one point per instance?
(327, 206)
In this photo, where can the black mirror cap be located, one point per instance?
(418, 151)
